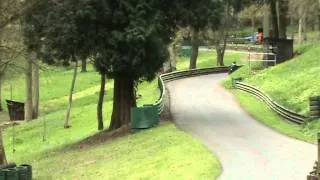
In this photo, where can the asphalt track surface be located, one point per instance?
(246, 148)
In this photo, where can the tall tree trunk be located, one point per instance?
(283, 18)
(67, 117)
(253, 24)
(219, 55)
(318, 17)
(304, 27)
(172, 52)
(224, 32)
(100, 102)
(266, 21)
(3, 158)
(0, 92)
(28, 104)
(195, 49)
(274, 19)
(221, 51)
(174, 60)
(300, 38)
(123, 101)
(35, 91)
(84, 65)
(317, 23)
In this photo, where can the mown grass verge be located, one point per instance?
(161, 153)
(290, 84)
(209, 59)
(261, 112)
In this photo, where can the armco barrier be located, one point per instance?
(282, 111)
(164, 78)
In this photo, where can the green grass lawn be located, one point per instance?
(209, 59)
(261, 112)
(55, 83)
(164, 152)
(290, 84)
(159, 153)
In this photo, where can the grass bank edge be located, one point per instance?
(265, 115)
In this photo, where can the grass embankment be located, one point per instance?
(164, 152)
(160, 153)
(290, 84)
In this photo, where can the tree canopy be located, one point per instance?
(127, 39)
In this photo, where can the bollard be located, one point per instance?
(314, 107)
(29, 171)
(2, 174)
(23, 172)
(12, 174)
(318, 164)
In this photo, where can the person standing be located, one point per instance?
(260, 35)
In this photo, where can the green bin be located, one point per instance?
(185, 51)
(152, 112)
(12, 174)
(22, 171)
(29, 171)
(144, 117)
(2, 174)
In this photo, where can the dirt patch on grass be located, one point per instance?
(107, 136)
(103, 137)
(4, 117)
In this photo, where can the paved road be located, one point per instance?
(247, 149)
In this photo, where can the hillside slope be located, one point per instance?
(160, 153)
(290, 83)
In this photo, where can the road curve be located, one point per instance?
(246, 149)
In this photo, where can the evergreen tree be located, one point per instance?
(126, 39)
(130, 45)
(50, 30)
(198, 15)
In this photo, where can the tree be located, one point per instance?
(239, 5)
(303, 11)
(2, 69)
(222, 34)
(275, 18)
(83, 65)
(8, 56)
(126, 39)
(75, 71)
(3, 159)
(252, 13)
(11, 10)
(131, 49)
(198, 15)
(100, 102)
(28, 76)
(50, 29)
(35, 89)
(283, 8)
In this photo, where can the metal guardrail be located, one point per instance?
(165, 78)
(282, 111)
